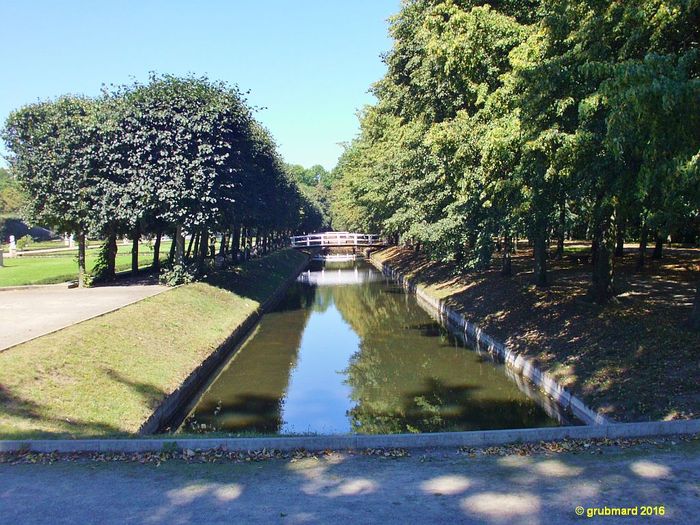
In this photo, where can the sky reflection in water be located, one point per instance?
(346, 351)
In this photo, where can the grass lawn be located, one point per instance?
(58, 268)
(105, 376)
(634, 359)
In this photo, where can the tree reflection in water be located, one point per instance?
(401, 371)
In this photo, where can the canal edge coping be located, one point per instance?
(472, 439)
(174, 402)
(520, 364)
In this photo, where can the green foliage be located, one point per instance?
(529, 119)
(24, 242)
(180, 155)
(11, 196)
(314, 184)
(177, 275)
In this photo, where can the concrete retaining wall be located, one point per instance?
(520, 364)
(482, 438)
(175, 407)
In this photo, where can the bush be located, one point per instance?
(178, 274)
(24, 242)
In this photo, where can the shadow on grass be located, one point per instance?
(32, 412)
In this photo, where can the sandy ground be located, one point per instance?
(34, 311)
(427, 487)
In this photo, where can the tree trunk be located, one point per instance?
(189, 245)
(156, 252)
(81, 260)
(594, 248)
(540, 253)
(658, 252)
(110, 272)
(135, 250)
(203, 248)
(173, 245)
(601, 290)
(506, 266)
(224, 245)
(235, 248)
(195, 250)
(561, 230)
(643, 237)
(694, 320)
(179, 242)
(620, 234)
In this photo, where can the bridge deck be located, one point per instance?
(336, 239)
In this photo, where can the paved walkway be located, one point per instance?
(34, 311)
(444, 487)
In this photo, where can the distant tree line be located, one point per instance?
(315, 184)
(174, 156)
(548, 119)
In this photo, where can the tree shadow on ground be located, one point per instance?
(25, 410)
(428, 487)
(632, 358)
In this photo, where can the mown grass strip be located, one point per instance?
(105, 376)
(52, 268)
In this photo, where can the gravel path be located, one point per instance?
(427, 487)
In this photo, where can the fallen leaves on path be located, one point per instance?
(220, 455)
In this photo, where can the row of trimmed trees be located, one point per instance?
(543, 119)
(174, 156)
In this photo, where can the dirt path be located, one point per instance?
(34, 311)
(428, 487)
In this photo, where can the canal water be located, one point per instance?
(347, 351)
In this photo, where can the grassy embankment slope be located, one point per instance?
(105, 376)
(633, 359)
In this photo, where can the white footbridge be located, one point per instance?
(336, 239)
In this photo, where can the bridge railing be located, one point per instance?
(335, 239)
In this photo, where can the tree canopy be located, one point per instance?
(176, 155)
(541, 119)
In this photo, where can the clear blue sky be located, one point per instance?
(308, 62)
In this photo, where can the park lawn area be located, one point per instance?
(62, 267)
(51, 245)
(633, 359)
(105, 376)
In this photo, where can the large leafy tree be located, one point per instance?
(545, 117)
(56, 158)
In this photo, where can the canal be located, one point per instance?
(347, 351)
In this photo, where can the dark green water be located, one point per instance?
(347, 351)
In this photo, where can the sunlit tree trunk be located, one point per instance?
(135, 250)
(179, 246)
(81, 259)
(195, 249)
(173, 246)
(193, 236)
(156, 252)
(110, 271)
